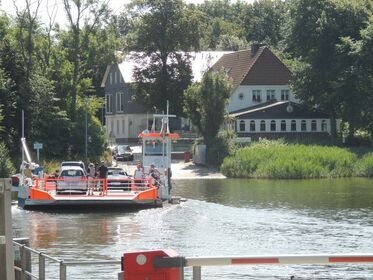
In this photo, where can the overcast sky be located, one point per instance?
(7, 6)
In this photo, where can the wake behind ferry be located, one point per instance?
(42, 192)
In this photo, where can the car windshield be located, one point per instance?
(72, 173)
(124, 149)
(72, 164)
(116, 172)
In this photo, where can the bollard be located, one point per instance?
(160, 264)
(6, 249)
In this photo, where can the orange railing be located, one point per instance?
(103, 186)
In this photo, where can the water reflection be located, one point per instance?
(320, 194)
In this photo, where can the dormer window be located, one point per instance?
(284, 94)
(271, 94)
(256, 95)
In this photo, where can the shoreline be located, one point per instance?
(181, 170)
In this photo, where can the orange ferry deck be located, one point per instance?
(44, 195)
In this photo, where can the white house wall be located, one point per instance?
(125, 126)
(236, 102)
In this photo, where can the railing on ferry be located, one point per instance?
(103, 186)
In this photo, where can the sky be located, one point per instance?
(7, 6)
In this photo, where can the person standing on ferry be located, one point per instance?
(102, 171)
(138, 175)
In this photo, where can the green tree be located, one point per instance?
(315, 32)
(87, 15)
(264, 21)
(223, 25)
(162, 30)
(361, 51)
(205, 104)
(6, 166)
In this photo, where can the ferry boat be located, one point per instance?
(43, 192)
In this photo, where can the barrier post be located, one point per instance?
(62, 271)
(153, 265)
(41, 267)
(197, 274)
(6, 247)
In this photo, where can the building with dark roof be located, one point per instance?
(262, 104)
(124, 118)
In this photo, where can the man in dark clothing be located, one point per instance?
(102, 173)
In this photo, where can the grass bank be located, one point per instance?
(278, 160)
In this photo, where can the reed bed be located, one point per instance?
(278, 160)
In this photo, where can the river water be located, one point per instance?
(220, 218)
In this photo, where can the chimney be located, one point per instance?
(255, 47)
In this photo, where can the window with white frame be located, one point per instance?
(108, 104)
(293, 125)
(273, 125)
(256, 95)
(323, 125)
(313, 125)
(123, 127)
(303, 125)
(271, 94)
(262, 125)
(284, 94)
(119, 100)
(117, 127)
(111, 77)
(252, 125)
(242, 125)
(283, 125)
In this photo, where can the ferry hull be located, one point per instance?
(100, 204)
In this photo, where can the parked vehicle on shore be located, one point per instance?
(123, 152)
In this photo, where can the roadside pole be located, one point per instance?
(6, 240)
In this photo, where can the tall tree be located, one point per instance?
(86, 14)
(315, 30)
(26, 28)
(264, 21)
(163, 29)
(205, 103)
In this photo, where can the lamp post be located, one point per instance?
(86, 128)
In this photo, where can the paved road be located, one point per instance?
(180, 169)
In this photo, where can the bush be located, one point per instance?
(6, 165)
(275, 159)
(221, 146)
(365, 166)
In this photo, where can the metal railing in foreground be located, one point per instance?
(153, 262)
(26, 272)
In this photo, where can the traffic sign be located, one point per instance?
(38, 146)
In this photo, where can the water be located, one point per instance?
(221, 218)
